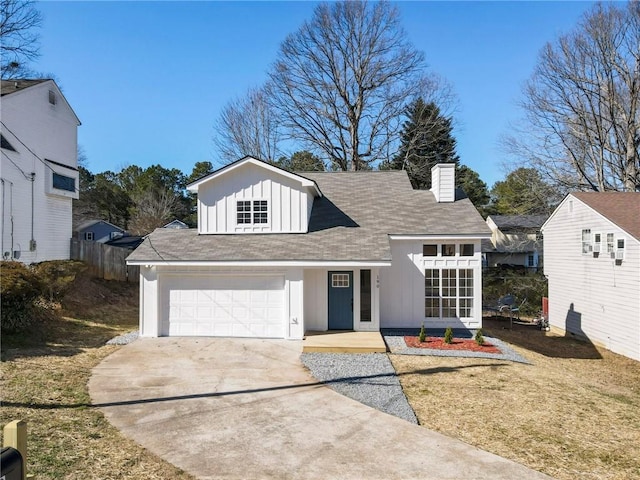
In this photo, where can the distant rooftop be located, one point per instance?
(518, 222)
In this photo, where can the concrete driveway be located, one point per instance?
(247, 409)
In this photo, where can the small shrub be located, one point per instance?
(57, 276)
(448, 335)
(422, 336)
(20, 289)
(478, 337)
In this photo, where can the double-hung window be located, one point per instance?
(252, 212)
(587, 247)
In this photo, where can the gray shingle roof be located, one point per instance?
(622, 208)
(351, 222)
(518, 222)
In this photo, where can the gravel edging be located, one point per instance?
(396, 344)
(368, 378)
(124, 339)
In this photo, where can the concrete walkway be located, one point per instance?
(247, 409)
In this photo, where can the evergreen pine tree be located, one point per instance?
(426, 139)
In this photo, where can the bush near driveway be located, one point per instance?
(44, 381)
(573, 414)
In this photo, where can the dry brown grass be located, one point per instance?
(44, 381)
(573, 414)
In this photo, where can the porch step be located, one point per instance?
(343, 342)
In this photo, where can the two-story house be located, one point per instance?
(39, 175)
(592, 261)
(276, 254)
(515, 241)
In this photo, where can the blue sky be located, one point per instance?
(148, 79)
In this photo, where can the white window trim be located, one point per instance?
(88, 236)
(586, 247)
(340, 280)
(252, 212)
(619, 255)
(458, 297)
(611, 246)
(597, 243)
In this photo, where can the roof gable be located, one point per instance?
(248, 160)
(90, 223)
(621, 208)
(15, 87)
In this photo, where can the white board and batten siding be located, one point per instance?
(289, 203)
(591, 295)
(402, 286)
(215, 301)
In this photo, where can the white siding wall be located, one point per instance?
(50, 131)
(443, 180)
(288, 202)
(402, 295)
(588, 295)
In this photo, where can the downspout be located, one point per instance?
(32, 243)
(11, 216)
(2, 225)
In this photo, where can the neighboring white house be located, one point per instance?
(592, 261)
(278, 253)
(39, 175)
(515, 241)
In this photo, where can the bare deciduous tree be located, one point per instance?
(582, 104)
(341, 82)
(152, 209)
(18, 39)
(248, 126)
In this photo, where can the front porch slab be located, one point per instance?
(334, 341)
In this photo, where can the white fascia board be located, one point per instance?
(553, 214)
(468, 236)
(267, 263)
(305, 182)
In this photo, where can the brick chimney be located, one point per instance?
(443, 182)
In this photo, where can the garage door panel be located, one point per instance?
(225, 306)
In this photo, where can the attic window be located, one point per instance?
(52, 97)
(252, 212)
(5, 144)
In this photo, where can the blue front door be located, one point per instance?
(340, 300)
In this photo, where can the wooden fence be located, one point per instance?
(105, 261)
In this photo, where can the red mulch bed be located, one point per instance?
(437, 343)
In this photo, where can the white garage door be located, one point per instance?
(228, 306)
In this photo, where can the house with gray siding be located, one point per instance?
(592, 262)
(99, 231)
(277, 254)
